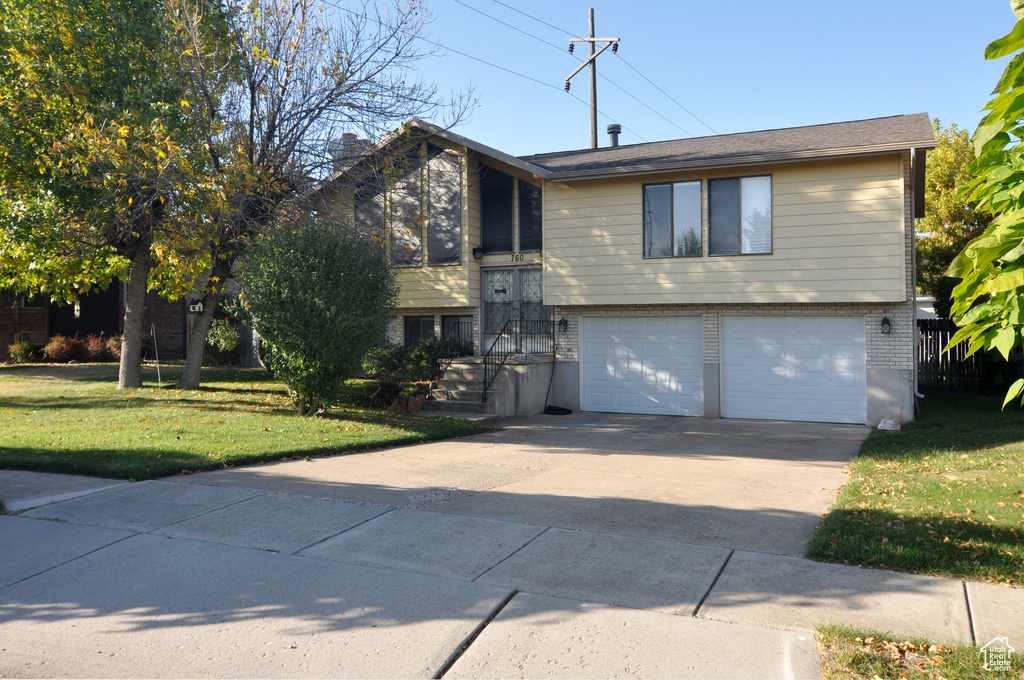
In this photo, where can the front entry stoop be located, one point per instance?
(460, 390)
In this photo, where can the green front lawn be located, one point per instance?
(945, 496)
(72, 419)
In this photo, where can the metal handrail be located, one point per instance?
(449, 347)
(505, 344)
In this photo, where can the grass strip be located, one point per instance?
(849, 653)
(945, 496)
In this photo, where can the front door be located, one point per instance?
(514, 303)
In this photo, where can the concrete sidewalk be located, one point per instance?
(217, 575)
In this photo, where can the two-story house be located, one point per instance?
(759, 275)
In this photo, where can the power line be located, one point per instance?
(558, 28)
(478, 59)
(666, 94)
(562, 50)
(514, 9)
(504, 23)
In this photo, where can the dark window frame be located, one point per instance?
(34, 301)
(672, 217)
(488, 212)
(739, 223)
(420, 320)
(525, 188)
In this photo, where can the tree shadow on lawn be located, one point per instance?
(886, 540)
(950, 421)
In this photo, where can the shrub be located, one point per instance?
(384, 362)
(221, 342)
(114, 345)
(320, 295)
(385, 365)
(418, 364)
(21, 352)
(222, 336)
(96, 348)
(62, 349)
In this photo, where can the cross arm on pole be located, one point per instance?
(592, 57)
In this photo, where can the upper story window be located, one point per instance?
(496, 200)
(530, 217)
(740, 216)
(672, 220)
(500, 194)
(415, 211)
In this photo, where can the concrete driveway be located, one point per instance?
(580, 546)
(748, 485)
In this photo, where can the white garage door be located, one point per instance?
(648, 365)
(808, 368)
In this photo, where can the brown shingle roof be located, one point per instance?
(875, 135)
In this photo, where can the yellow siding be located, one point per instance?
(837, 236)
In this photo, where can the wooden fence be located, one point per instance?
(953, 369)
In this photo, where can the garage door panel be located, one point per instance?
(642, 365)
(809, 368)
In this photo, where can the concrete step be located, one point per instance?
(464, 373)
(457, 384)
(458, 395)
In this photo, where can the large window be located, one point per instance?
(530, 217)
(407, 215)
(672, 220)
(444, 227)
(496, 211)
(740, 216)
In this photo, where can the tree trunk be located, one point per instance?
(130, 372)
(197, 339)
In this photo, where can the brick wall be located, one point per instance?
(15, 320)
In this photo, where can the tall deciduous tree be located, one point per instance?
(294, 76)
(987, 303)
(90, 167)
(951, 220)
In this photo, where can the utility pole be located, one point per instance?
(592, 61)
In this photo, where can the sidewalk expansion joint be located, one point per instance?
(256, 494)
(970, 614)
(510, 555)
(696, 610)
(471, 638)
(388, 511)
(56, 566)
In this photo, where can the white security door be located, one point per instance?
(809, 368)
(642, 364)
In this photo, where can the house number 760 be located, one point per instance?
(517, 257)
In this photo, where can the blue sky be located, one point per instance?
(738, 65)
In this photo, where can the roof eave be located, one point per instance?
(483, 149)
(737, 161)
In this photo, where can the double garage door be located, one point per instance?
(809, 368)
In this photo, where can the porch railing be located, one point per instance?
(501, 349)
(456, 341)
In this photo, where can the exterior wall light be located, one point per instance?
(478, 253)
(563, 325)
(886, 324)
